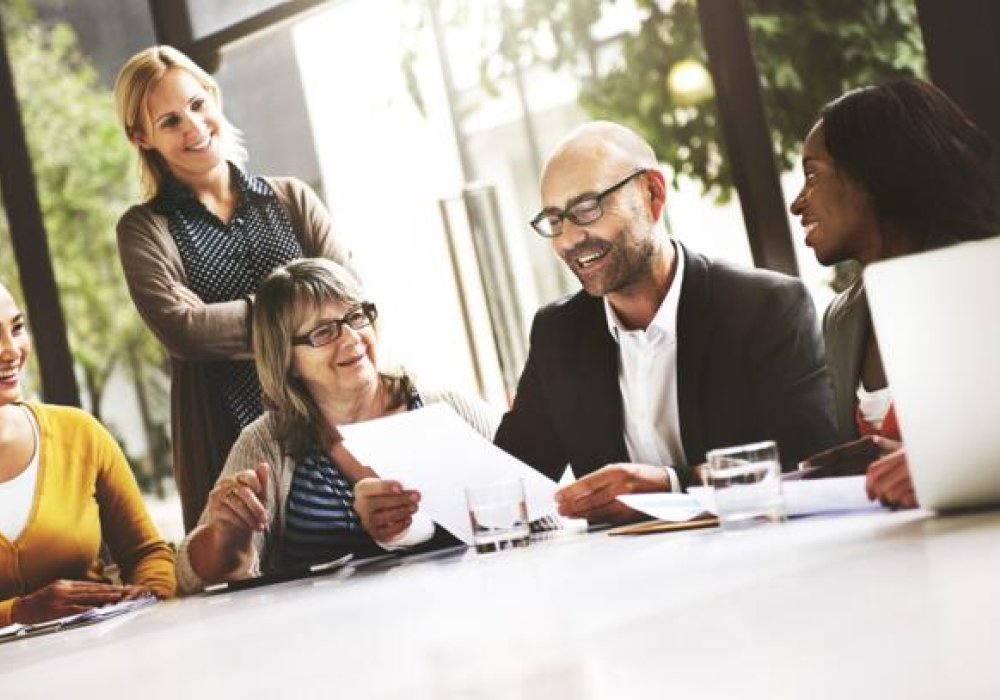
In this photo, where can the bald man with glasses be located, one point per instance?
(664, 354)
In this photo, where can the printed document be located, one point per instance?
(437, 453)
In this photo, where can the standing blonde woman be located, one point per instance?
(194, 251)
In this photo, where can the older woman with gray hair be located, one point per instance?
(290, 492)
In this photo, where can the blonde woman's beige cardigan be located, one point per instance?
(193, 337)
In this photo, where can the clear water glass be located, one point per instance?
(498, 513)
(746, 484)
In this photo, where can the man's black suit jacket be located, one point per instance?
(750, 367)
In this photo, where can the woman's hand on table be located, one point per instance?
(889, 481)
(64, 597)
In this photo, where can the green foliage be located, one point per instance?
(807, 52)
(85, 178)
(16, 14)
(634, 92)
(810, 52)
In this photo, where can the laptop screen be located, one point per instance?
(937, 320)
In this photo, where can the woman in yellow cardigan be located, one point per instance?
(65, 485)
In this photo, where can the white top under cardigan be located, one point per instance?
(17, 496)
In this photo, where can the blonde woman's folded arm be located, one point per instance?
(158, 286)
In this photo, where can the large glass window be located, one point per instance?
(64, 59)
(12, 281)
(810, 53)
(528, 72)
(210, 17)
(392, 177)
(440, 139)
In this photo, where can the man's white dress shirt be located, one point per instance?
(647, 379)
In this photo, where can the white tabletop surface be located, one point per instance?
(865, 605)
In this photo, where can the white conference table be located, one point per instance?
(873, 604)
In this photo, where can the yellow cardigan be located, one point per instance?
(85, 490)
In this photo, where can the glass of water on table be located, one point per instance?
(498, 513)
(746, 484)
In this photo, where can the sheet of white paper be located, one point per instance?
(811, 496)
(833, 495)
(674, 507)
(439, 454)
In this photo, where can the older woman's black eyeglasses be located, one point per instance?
(362, 315)
(584, 211)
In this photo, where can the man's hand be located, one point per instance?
(595, 496)
(384, 507)
(849, 459)
(62, 598)
(889, 481)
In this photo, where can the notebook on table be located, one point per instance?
(89, 617)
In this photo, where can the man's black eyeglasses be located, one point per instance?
(362, 315)
(582, 212)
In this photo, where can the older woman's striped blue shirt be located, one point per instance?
(321, 523)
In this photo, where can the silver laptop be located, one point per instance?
(937, 320)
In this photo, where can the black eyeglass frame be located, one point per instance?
(568, 213)
(368, 311)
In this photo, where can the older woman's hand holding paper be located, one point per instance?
(386, 509)
(436, 452)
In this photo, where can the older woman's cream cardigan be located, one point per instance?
(257, 443)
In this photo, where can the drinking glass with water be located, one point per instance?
(746, 483)
(499, 515)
